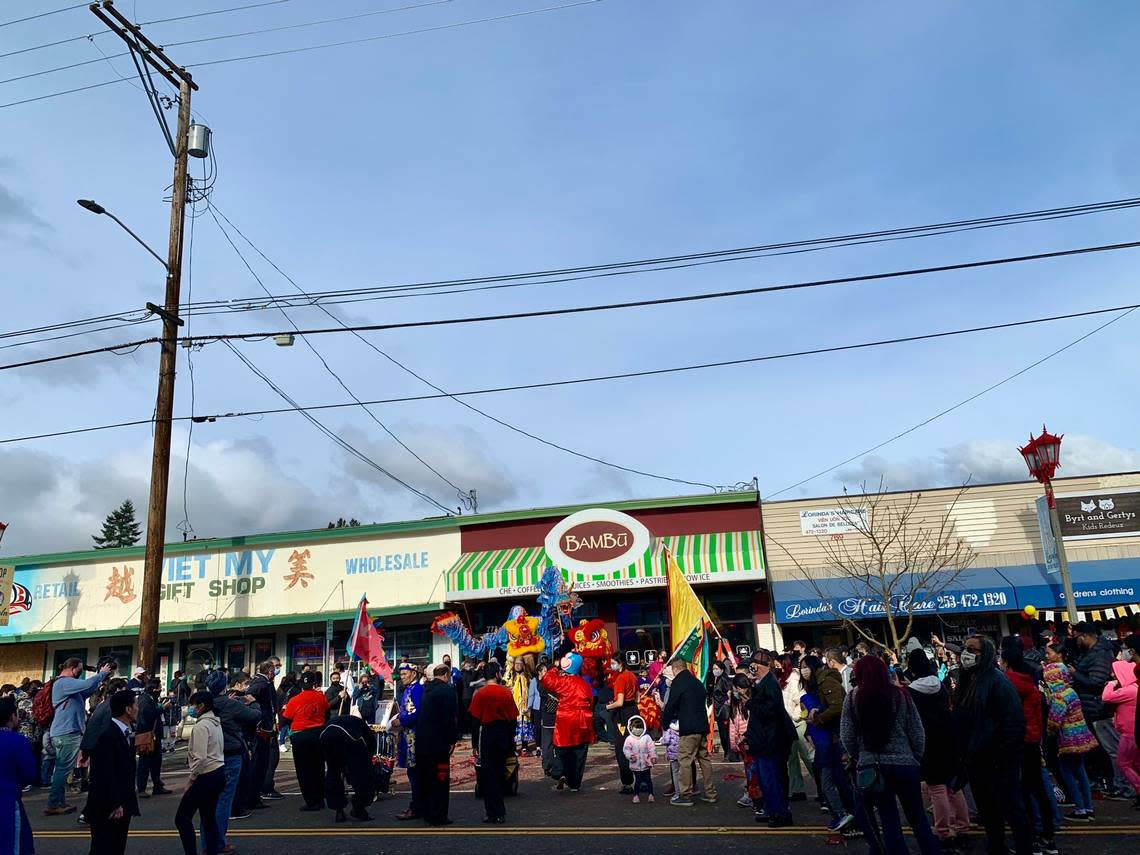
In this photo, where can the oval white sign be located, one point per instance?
(598, 540)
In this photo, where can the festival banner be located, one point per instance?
(689, 622)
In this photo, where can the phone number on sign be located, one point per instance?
(986, 599)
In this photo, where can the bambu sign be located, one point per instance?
(1099, 514)
(597, 541)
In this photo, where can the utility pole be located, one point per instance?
(152, 55)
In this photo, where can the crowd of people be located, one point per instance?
(1005, 736)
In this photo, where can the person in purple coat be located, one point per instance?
(17, 770)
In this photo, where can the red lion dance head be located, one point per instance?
(592, 643)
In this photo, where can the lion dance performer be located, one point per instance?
(574, 721)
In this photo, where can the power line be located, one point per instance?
(328, 368)
(459, 401)
(687, 298)
(575, 310)
(234, 305)
(366, 39)
(43, 15)
(142, 24)
(344, 444)
(304, 49)
(205, 39)
(962, 403)
(626, 375)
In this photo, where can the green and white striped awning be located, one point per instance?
(718, 557)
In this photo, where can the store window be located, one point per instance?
(643, 624)
(124, 655)
(262, 649)
(198, 656)
(732, 614)
(64, 654)
(307, 650)
(237, 656)
(413, 643)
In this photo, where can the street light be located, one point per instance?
(95, 208)
(1043, 455)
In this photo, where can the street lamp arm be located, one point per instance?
(141, 242)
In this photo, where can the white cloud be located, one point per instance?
(54, 504)
(986, 461)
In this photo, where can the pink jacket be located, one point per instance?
(737, 725)
(1124, 697)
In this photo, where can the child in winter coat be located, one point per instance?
(1122, 692)
(642, 754)
(737, 726)
(1074, 740)
(671, 739)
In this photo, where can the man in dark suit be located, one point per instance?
(436, 733)
(112, 799)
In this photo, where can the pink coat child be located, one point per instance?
(1122, 691)
(641, 753)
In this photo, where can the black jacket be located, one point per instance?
(96, 724)
(1093, 671)
(238, 722)
(261, 687)
(112, 776)
(150, 715)
(770, 730)
(991, 734)
(436, 731)
(366, 702)
(938, 759)
(686, 705)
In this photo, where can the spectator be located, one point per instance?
(621, 709)
(207, 776)
(112, 800)
(1090, 674)
(641, 754)
(833, 788)
(990, 735)
(769, 739)
(686, 704)
(1025, 678)
(436, 735)
(720, 693)
(791, 686)
(266, 748)
(238, 715)
(932, 700)
(68, 697)
(1123, 693)
(548, 711)
(148, 739)
(17, 771)
(882, 732)
(1074, 740)
(365, 697)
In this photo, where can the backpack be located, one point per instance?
(42, 709)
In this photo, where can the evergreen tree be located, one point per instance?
(119, 529)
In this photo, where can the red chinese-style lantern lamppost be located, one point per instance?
(1043, 456)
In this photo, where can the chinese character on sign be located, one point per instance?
(299, 561)
(121, 585)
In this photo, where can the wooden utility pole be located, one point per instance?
(168, 359)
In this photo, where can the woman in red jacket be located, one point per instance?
(1025, 678)
(574, 721)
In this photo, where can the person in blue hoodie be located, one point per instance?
(17, 770)
(832, 787)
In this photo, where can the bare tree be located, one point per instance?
(897, 560)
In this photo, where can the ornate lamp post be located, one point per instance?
(1043, 456)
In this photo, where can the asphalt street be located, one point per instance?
(597, 820)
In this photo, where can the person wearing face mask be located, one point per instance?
(720, 691)
(1121, 693)
(206, 754)
(266, 749)
(990, 732)
(621, 709)
(1091, 673)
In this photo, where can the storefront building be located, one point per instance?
(716, 539)
(1014, 565)
(234, 602)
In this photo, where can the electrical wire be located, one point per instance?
(143, 24)
(460, 401)
(575, 310)
(338, 440)
(233, 305)
(962, 403)
(43, 15)
(626, 375)
(328, 368)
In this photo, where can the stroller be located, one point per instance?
(384, 762)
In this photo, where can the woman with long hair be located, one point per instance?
(791, 686)
(990, 732)
(882, 733)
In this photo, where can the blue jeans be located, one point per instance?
(1072, 768)
(66, 750)
(902, 783)
(770, 774)
(232, 769)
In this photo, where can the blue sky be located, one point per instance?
(606, 132)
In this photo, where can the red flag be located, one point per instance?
(367, 644)
(3, 528)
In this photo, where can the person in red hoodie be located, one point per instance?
(1025, 677)
(574, 721)
(1122, 693)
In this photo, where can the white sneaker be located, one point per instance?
(744, 801)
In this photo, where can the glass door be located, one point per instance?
(198, 656)
(237, 656)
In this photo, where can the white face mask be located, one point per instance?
(717, 672)
(969, 659)
(1126, 654)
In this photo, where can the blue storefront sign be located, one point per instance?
(980, 589)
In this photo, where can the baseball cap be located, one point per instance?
(139, 670)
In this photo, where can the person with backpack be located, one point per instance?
(64, 713)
